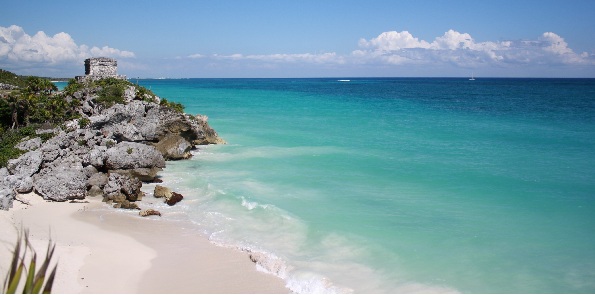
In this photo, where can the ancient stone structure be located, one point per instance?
(100, 67)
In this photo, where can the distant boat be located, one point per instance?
(471, 79)
(344, 80)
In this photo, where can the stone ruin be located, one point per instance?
(100, 67)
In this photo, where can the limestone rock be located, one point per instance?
(209, 135)
(143, 174)
(149, 212)
(94, 192)
(20, 183)
(29, 145)
(131, 155)
(7, 196)
(162, 192)
(122, 187)
(27, 164)
(174, 199)
(51, 152)
(98, 179)
(96, 157)
(174, 147)
(61, 184)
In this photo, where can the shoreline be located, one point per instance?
(121, 252)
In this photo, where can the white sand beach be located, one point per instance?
(104, 251)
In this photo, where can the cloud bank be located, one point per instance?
(460, 49)
(389, 53)
(404, 54)
(17, 48)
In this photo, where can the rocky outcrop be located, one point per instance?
(7, 192)
(61, 183)
(132, 155)
(110, 157)
(27, 164)
(29, 145)
(174, 147)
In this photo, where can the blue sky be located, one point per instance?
(325, 38)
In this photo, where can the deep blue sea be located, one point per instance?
(390, 185)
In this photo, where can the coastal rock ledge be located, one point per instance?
(120, 148)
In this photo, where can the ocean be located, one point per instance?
(390, 185)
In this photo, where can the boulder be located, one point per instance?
(131, 155)
(7, 196)
(149, 212)
(27, 164)
(96, 157)
(98, 179)
(174, 199)
(162, 192)
(29, 145)
(174, 147)
(123, 187)
(209, 135)
(51, 152)
(143, 174)
(61, 184)
(20, 183)
(94, 192)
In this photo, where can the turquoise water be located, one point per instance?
(398, 185)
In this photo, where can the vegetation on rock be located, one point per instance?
(28, 102)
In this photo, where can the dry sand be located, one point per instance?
(105, 251)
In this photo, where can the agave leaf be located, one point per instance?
(39, 278)
(15, 261)
(13, 283)
(50, 282)
(31, 274)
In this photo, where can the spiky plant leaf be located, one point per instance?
(30, 275)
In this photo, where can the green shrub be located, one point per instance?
(84, 122)
(178, 107)
(8, 140)
(73, 86)
(110, 95)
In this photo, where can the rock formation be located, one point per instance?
(121, 146)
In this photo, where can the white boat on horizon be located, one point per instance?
(471, 79)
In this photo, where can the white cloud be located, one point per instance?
(18, 47)
(319, 58)
(390, 41)
(196, 55)
(460, 49)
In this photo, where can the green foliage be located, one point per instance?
(39, 85)
(72, 87)
(110, 95)
(144, 94)
(10, 138)
(129, 151)
(7, 77)
(178, 107)
(110, 143)
(35, 278)
(84, 122)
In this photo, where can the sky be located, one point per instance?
(305, 38)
